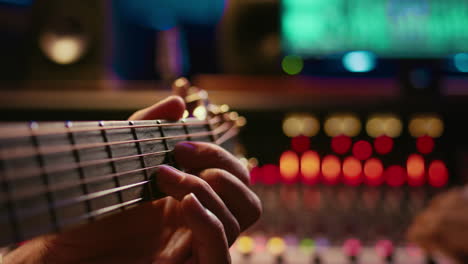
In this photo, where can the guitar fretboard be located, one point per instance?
(56, 175)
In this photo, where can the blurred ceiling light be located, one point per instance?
(384, 125)
(63, 49)
(301, 124)
(430, 125)
(342, 124)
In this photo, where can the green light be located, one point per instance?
(307, 245)
(461, 62)
(359, 61)
(292, 65)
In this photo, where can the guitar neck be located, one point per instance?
(60, 174)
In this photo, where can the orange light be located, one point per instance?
(373, 171)
(352, 170)
(415, 169)
(331, 169)
(289, 166)
(438, 174)
(310, 167)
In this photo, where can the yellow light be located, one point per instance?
(422, 125)
(224, 108)
(289, 165)
(233, 115)
(342, 124)
(241, 121)
(253, 162)
(62, 49)
(292, 126)
(200, 112)
(310, 165)
(276, 246)
(186, 114)
(384, 124)
(245, 245)
(301, 124)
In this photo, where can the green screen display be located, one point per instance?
(390, 28)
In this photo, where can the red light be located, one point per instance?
(384, 248)
(310, 167)
(383, 145)
(331, 169)
(373, 171)
(341, 144)
(415, 169)
(271, 174)
(256, 175)
(300, 144)
(438, 174)
(352, 247)
(395, 176)
(425, 144)
(362, 150)
(352, 171)
(289, 167)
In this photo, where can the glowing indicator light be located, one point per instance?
(276, 246)
(352, 171)
(425, 144)
(362, 150)
(359, 61)
(460, 61)
(415, 169)
(383, 145)
(395, 176)
(352, 247)
(341, 144)
(300, 144)
(331, 169)
(373, 172)
(292, 65)
(384, 248)
(306, 246)
(245, 245)
(310, 167)
(289, 166)
(271, 174)
(438, 174)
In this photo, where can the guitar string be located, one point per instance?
(49, 150)
(72, 201)
(57, 131)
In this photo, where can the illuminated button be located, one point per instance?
(415, 169)
(362, 150)
(331, 169)
(383, 145)
(289, 166)
(276, 246)
(341, 144)
(245, 245)
(373, 172)
(310, 167)
(438, 174)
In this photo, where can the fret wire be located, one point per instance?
(112, 163)
(227, 135)
(166, 146)
(186, 131)
(45, 180)
(210, 128)
(142, 159)
(54, 131)
(13, 218)
(77, 158)
(56, 150)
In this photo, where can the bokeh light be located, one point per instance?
(342, 124)
(373, 172)
(384, 124)
(395, 176)
(292, 65)
(256, 175)
(310, 167)
(200, 112)
(359, 61)
(245, 245)
(298, 124)
(384, 248)
(416, 170)
(425, 144)
(341, 144)
(460, 61)
(289, 166)
(438, 174)
(63, 49)
(270, 174)
(362, 150)
(300, 144)
(307, 246)
(426, 125)
(352, 171)
(352, 247)
(276, 246)
(331, 169)
(383, 145)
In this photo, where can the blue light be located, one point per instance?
(461, 62)
(359, 61)
(17, 2)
